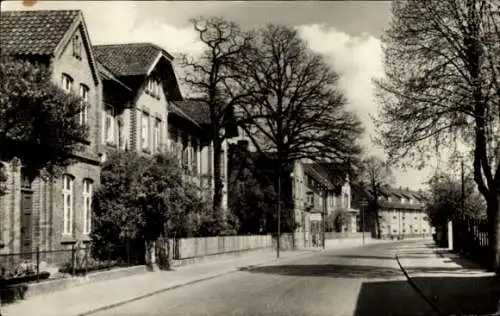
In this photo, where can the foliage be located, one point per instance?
(292, 104)
(252, 192)
(141, 198)
(39, 122)
(442, 89)
(207, 78)
(444, 202)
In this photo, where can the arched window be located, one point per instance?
(84, 94)
(87, 206)
(66, 82)
(67, 194)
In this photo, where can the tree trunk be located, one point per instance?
(494, 229)
(217, 197)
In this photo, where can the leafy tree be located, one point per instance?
(442, 88)
(207, 78)
(39, 122)
(142, 199)
(375, 175)
(252, 191)
(444, 201)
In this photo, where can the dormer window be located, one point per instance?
(77, 47)
(403, 201)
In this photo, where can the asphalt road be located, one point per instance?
(360, 281)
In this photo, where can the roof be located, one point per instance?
(108, 75)
(37, 32)
(130, 59)
(174, 109)
(197, 110)
(318, 174)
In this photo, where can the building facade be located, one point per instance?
(320, 194)
(133, 102)
(401, 213)
(54, 213)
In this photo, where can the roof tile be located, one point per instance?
(197, 110)
(128, 59)
(36, 32)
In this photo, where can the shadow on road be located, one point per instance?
(390, 298)
(361, 257)
(452, 296)
(328, 270)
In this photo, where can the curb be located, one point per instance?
(417, 289)
(173, 287)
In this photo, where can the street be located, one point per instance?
(358, 281)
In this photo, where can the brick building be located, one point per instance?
(134, 102)
(53, 214)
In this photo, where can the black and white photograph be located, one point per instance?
(249, 158)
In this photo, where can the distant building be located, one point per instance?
(401, 212)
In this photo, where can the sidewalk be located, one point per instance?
(451, 284)
(89, 298)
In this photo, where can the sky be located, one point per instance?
(346, 33)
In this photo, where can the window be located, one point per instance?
(67, 193)
(173, 138)
(77, 47)
(145, 131)
(66, 82)
(109, 125)
(87, 205)
(157, 135)
(84, 94)
(195, 155)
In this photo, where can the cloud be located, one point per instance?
(358, 59)
(118, 22)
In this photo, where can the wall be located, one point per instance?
(186, 248)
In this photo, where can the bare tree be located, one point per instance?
(442, 88)
(207, 77)
(375, 175)
(292, 106)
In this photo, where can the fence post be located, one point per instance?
(73, 259)
(37, 263)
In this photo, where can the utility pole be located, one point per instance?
(462, 200)
(363, 204)
(278, 235)
(324, 215)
